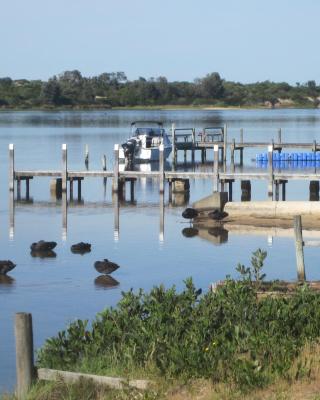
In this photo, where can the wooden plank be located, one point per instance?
(21, 174)
(90, 174)
(11, 167)
(72, 377)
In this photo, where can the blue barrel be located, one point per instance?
(318, 156)
(313, 155)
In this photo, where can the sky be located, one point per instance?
(243, 40)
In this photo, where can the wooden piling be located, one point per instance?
(270, 170)
(279, 135)
(161, 168)
(24, 354)
(225, 142)
(115, 185)
(104, 162)
(86, 155)
(64, 172)
(314, 191)
(216, 168)
(233, 145)
(11, 167)
(173, 131)
(297, 225)
(193, 144)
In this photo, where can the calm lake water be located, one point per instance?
(61, 289)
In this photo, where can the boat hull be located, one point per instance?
(147, 155)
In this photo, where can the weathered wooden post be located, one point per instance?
(314, 191)
(64, 173)
(173, 135)
(245, 190)
(161, 168)
(104, 162)
(284, 190)
(115, 184)
(279, 135)
(24, 354)
(241, 150)
(276, 182)
(86, 156)
(299, 247)
(193, 144)
(225, 142)
(11, 167)
(233, 145)
(230, 189)
(71, 188)
(215, 168)
(270, 169)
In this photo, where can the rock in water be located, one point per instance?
(217, 215)
(190, 213)
(6, 266)
(105, 266)
(43, 246)
(81, 248)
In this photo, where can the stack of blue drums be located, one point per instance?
(289, 160)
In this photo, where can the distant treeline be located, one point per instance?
(71, 89)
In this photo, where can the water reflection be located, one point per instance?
(6, 280)
(190, 232)
(43, 254)
(106, 282)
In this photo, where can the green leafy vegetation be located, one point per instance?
(72, 90)
(229, 335)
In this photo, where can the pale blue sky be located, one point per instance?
(243, 40)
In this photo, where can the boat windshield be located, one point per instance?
(149, 131)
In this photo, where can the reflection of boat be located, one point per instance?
(143, 145)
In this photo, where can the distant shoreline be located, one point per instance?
(160, 108)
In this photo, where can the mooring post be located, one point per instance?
(28, 188)
(115, 184)
(215, 168)
(64, 174)
(279, 135)
(230, 189)
(104, 162)
(71, 188)
(233, 145)
(241, 149)
(297, 225)
(225, 142)
(270, 168)
(173, 135)
(24, 353)
(86, 155)
(284, 190)
(18, 188)
(11, 166)
(276, 190)
(161, 168)
(193, 144)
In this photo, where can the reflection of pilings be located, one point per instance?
(116, 231)
(216, 168)
(64, 216)
(64, 173)
(161, 168)
(161, 213)
(11, 214)
(11, 167)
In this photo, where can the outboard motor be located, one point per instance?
(128, 149)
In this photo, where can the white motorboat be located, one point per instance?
(143, 145)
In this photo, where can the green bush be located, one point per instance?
(224, 335)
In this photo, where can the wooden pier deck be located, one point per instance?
(183, 139)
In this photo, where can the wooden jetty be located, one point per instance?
(218, 173)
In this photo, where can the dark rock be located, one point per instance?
(105, 266)
(190, 232)
(190, 213)
(6, 266)
(43, 246)
(217, 215)
(81, 248)
(106, 281)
